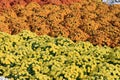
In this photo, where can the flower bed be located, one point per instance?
(32, 57)
(91, 21)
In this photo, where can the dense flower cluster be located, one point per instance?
(31, 57)
(88, 20)
(9, 3)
